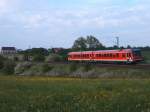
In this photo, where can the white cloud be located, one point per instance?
(4, 5)
(7, 6)
(99, 19)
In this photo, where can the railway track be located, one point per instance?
(134, 66)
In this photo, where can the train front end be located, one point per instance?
(137, 56)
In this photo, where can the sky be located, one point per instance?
(58, 23)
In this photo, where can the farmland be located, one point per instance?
(46, 94)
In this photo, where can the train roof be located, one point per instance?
(104, 51)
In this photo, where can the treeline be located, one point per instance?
(81, 44)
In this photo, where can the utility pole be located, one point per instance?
(117, 42)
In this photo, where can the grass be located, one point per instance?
(146, 55)
(45, 94)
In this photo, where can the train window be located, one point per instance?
(117, 55)
(99, 55)
(110, 55)
(123, 55)
(85, 55)
(129, 54)
(114, 55)
(137, 52)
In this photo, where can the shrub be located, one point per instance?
(54, 58)
(87, 67)
(1, 62)
(46, 68)
(39, 58)
(21, 67)
(9, 67)
(73, 67)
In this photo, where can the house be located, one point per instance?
(8, 51)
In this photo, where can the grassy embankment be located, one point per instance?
(45, 94)
(146, 55)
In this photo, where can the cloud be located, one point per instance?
(4, 5)
(73, 22)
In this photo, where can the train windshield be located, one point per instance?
(137, 52)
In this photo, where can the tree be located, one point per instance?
(93, 43)
(129, 47)
(35, 51)
(88, 43)
(80, 44)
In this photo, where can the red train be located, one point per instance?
(108, 56)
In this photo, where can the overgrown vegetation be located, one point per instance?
(79, 70)
(44, 94)
(46, 68)
(146, 55)
(9, 67)
(2, 59)
(54, 58)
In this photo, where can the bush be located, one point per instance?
(21, 67)
(9, 67)
(73, 67)
(46, 68)
(54, 58)
(1, 62)
(87, 67)
(39, 58)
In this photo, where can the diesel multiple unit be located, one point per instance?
(113, 56)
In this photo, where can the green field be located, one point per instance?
(45, 94)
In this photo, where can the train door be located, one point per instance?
(129, 58)
(91, 56)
